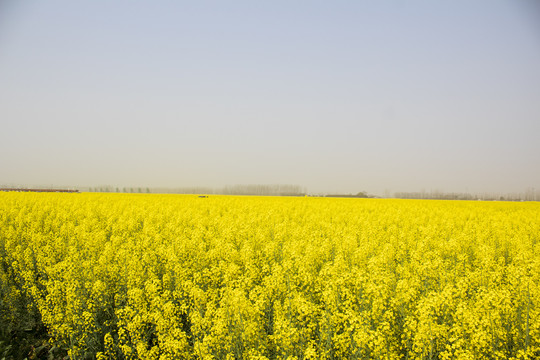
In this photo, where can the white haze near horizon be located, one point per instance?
(341, 96)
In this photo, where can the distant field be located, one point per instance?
(175, 276)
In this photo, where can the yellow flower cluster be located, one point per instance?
(140, 276)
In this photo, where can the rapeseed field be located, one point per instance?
(145, 276)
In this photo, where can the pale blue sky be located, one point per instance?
(334, 96)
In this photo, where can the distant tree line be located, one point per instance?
(361, 195)
(185, 190)
(108, 188)
(528, 195)
(264, 190)
(255, 189)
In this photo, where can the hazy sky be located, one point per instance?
(331, 95)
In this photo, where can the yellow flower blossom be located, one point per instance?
(137, 276)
